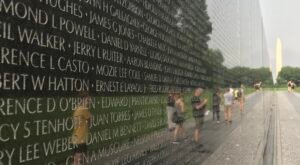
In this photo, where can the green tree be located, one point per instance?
(248, 76)
(288, 73)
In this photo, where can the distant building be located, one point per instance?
(238, 32)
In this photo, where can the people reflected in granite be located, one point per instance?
(242, 98)
(171, 110)
(199, 106)
(258, 86)
(82, 121)
(293, 86)
(228, 103)
(178, 118)
(216, 105)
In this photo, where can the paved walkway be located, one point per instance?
(269, 134)
(213, 136)
(288, 126)
(159, 150)
(245, 145)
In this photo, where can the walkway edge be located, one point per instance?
(277, 138)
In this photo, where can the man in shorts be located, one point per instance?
(198, 113)
(228, 101)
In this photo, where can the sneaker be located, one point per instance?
(201, 150)
(171, 129)
(200, 146)
(175, 142)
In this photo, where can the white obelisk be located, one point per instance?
(278, 57)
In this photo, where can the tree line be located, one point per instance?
(223, 76)
(288, 73)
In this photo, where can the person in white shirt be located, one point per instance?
(228, 101)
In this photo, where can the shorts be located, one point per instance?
(80, 148)
(170, 112)
(199, 121)
(216, 108)
(242, 99)
(227, 107)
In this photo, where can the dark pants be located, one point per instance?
(216, 112)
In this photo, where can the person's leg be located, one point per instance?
(182, 133)
(218, 113)
(229, 114)
(242, 105)
(197, 135)
(77, 157)
(80, 150)
(169, 114)
(214, 113)
(226, 113)
(176, 132)
(197, 132)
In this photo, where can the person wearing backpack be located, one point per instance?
(289, 84)
(178, 118)
(216, 105)
(170, 111)
(198, 113)
(293, 86)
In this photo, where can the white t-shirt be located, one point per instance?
(231, 90)
(228, 98)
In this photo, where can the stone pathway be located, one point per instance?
(288, 126)
(245, 145)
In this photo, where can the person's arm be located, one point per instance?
(202, 104)
(182, 106)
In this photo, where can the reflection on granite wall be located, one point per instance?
(87, 81)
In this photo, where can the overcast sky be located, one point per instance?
(282, 19)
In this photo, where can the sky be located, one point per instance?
(282, 20)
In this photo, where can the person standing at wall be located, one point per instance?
(258, 86)
(170, 111)
(236, 95)
(198, 112)
(228, 101)
(293, 86)
(178, 118)
(82, 121)
(289, 84)
(216, 105)
(242, 98)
